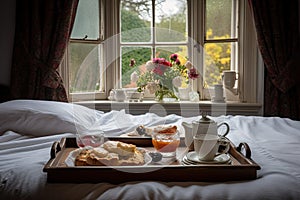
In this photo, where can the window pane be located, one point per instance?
(220, 21)
(217, 58)
(136, 17)
(87, 20)
(171, 21)
(141, 55)
(84, 67)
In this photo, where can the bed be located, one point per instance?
(28, 129)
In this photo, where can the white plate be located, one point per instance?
(70, 160)
(222, 158)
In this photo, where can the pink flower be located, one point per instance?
(159, 70)
(161, 61)
(174, 57)
(158, 60)
(160, 65)
(177, 62)
(193, 73)
(167, 63)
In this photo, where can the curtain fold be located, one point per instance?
(42, 34)
(277, 27)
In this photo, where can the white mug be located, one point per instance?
(207, 146)
(229, 79)
(219, 92)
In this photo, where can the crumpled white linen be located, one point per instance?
(274, 143)
(41, 118)
(115, 123)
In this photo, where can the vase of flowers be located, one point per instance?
(163, 77)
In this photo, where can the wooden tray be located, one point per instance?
(242, 167)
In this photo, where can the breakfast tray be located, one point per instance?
(242, 167)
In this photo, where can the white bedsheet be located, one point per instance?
(275, 145)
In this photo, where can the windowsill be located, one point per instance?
(183, 108)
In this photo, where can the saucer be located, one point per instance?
(186, 161)
(220, 159)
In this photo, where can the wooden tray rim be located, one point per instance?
(249, 167)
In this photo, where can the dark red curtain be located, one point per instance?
(277, 26)
(42, 33)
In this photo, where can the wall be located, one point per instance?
(7, 24)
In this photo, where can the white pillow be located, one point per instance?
(40, 118)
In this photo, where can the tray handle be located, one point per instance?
(244, 146)
(54, 149)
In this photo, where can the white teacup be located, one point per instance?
(119, 95)
(229, 79)
(207, 146)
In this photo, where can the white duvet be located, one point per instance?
(275, 145)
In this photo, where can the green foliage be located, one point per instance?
(218, 15)
(141, 56)
(133, 28)
(84, 72)
(176, 23)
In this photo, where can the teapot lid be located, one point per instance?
(205, 119)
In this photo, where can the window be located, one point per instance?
(215, 35)
(84, 54)
(220, 39)
(217, 40)
(151, 29)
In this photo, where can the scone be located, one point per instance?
(81, 158)
(112, 153)
(136, 159)
(120, 148)
(99, 152)
(111, 159)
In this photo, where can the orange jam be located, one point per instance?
(165, 145)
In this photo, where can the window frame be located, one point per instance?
(248, 57)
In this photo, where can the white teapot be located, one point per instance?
(203, 126)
